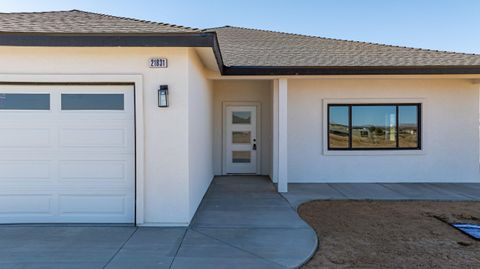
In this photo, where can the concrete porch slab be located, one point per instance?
(367, 191)
(424, 191)
(299, 193)
(470, 190)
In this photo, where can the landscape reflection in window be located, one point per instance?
(338, 127)
(407, 126)
(241, 117)
(374, 127)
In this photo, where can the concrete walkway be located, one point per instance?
(244, 223)
(241, 223)
(300, 193)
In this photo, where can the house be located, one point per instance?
(108, 119)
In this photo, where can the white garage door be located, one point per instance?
(67, 154)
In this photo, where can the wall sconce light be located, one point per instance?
(163, 96)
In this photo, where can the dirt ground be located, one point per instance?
(397, 234)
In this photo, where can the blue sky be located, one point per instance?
(452, 25)
(373, 115)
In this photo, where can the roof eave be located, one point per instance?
(177, 39)
(349, 70)
(174, 39)
(209, 39)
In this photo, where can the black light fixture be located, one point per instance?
(163, 96)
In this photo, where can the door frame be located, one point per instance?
(258, 106)
(114, 79)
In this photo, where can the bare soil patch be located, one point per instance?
(396, 234)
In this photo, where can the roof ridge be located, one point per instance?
(134, 19)
(107, 15)
(346, 40)
(38, 12)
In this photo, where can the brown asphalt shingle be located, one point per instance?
(76, 21)
(242, 46)
(251, 47)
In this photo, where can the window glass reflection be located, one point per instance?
(241, 117)
(408, 126)
(374, 127)
(338, 129)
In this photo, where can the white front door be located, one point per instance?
(67, 154)
(241, 140)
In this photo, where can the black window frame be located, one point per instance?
(350, 129)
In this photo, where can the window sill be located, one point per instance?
(404, 152)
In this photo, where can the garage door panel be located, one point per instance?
(25, 137)
(94, 170)
(63, 166)
(25, 204)
(67, 187)
(25, 170)
(66, 117)
(93, 204)
(84, 137)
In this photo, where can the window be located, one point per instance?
(241, 117)
(92, 102)
(374, 126)
(241, 156)
(24, 101)
(241, 137)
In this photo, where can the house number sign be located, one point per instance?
(158, 63)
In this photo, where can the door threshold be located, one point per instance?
(240, 174)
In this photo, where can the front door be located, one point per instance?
(241, 140)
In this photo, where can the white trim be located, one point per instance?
(478, 118)
(325, 102)
(282, 135)
(258, 105)
(137, 81)
(275, 131)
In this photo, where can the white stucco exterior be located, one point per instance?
(450, 132)
(200, 132)
(179, 149)
(173, 182)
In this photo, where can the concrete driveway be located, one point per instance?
(88, 247)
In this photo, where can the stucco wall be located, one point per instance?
(166, 130)
(200, 132)
(243, 91)
(450, 132)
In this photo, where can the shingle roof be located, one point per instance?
(76, 21)
(252, 47)
(241, 48)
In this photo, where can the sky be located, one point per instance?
(451, 25)
(373, 115)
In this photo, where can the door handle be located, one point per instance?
(254, 144)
